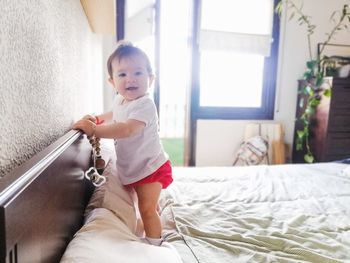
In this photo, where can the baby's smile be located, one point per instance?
(131, 88)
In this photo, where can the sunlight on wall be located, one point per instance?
(50, 75)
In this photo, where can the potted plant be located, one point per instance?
(314, 83)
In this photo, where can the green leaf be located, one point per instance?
(279, 8)
(301, 134)
(310, 111)
(308, 75)
(327, 93)
(314, 102)
(309, 91)
(309, 158)
(311, 64)
(319, 80)
(344, 10)
(299, 146)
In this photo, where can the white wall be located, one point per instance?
(109, 45)
(50, 75)
(217, 140)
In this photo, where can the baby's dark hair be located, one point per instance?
(126, 50)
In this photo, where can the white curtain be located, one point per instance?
(239, 26)
(140, 25)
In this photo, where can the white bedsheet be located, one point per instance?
(285, 213)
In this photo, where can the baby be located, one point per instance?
(133, 123)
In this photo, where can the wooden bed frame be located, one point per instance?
(42, 202)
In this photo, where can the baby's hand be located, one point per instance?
(87, 126)
(90, 118)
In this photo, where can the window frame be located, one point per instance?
(266, 111)
(120, 19)
(197, 112)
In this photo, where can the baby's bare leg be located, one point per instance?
(139, 230)
(148, 195)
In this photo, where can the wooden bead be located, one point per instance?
(100, 163)
(93, 177)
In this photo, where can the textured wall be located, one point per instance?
(50, 74)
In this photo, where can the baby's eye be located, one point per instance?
(121, 75)
(139, 73)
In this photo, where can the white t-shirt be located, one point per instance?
(142, 154)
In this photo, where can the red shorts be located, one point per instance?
(162, 175)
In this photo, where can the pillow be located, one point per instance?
(108, 234)
(113, 196)
(104, 238)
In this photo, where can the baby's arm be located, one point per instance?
(120, 130)
(115, 130)
(104, 117)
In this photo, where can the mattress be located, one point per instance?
(281, 213)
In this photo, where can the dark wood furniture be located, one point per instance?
(330, 128)
(42, 202)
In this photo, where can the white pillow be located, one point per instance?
(108, 234)
(114, 196)
(104, 238)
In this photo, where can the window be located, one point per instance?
(235, 56)
(224, 52)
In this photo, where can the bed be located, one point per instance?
(282, 213)
(277, 213)
(42, 202)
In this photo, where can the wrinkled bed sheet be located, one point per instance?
(281, 213)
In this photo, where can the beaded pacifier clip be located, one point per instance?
(93, 174)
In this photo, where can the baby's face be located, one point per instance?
(130, 77)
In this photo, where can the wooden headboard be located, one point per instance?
(42, 201)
